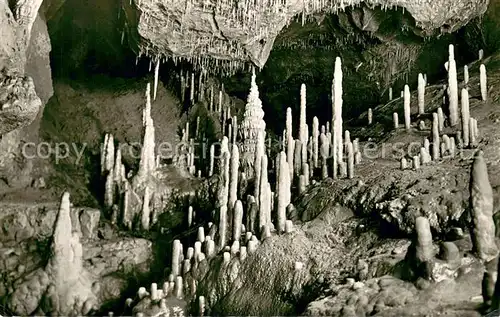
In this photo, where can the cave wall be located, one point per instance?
(15, 170)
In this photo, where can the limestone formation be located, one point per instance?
(302, 120)
(283, 190)
(234, 173)
(395, 120)
(440, 119)
(315, 142)
(435, 137)
(406, 106)
(465, 116)
(481, 206)
(452, 87)
(483, 82)
(370, 116)
(237, 220)
(421, 94)
(252, 124)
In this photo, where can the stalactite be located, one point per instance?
(407, 110)
(453, 87)
(157, 71)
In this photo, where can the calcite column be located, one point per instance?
(253, 122)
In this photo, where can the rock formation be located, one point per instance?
(253, 123)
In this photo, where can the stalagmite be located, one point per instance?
(421, 94)
(481, 205)
(290, 153)
(146, 213)
(404, 164)
(480, 54)
(176, 250)
(452, 87)
(210, 248)
(440, 119)
(407, 110)
(264, 197)
(472, 133)
(465, 117)
(483, 82)
(201, 234)
(259, 153)
(190, 216)
(288, 126)
(237, 220)
(395, 120)
(315, 141)
(201, 306)
(157, 71)
(466, 75)
(424, 156)
(222, 229)
(235, 164)
(302, 120)
(302, 184)
(435, 137)
(350, 160)
(283, 190)
(110, 153)
(178, 290)
(147, 162)
(191, 89)
(424, 250)
(370, 116)
(390, 93)
(212, 159)
(416, 162)
(235, 130)
(109, 190)
(337, 115)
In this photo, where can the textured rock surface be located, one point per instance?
(103, 265)
(246, 32)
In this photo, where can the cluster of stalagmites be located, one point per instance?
(246, 215)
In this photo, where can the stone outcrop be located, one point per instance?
(82, 269)
(247, 31)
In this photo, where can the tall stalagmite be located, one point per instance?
(253, 122)
(337, 146)
(481, 206)
(452, 86)
(147, 163)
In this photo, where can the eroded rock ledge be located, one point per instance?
(202, 31)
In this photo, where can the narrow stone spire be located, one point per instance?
(253, 122)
